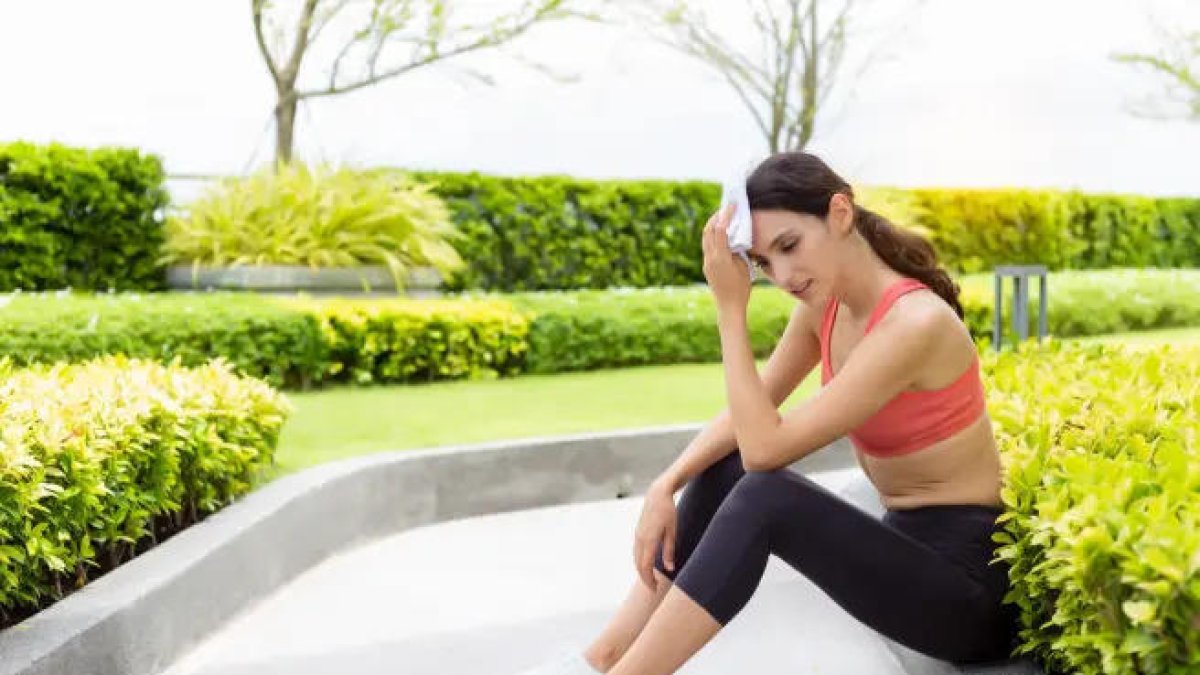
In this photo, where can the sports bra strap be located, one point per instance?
(889, 298)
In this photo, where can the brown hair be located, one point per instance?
(802, 183)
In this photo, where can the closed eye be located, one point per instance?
(763, 264)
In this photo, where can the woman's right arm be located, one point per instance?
(796, 354)
(713, 443)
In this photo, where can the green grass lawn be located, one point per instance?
(1148, 337)
(346, 422)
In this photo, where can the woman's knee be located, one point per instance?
(768, 482)
(712, 485)
(780, 493)
(728, 467)
(761, 492)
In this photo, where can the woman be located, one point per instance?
(901, 379)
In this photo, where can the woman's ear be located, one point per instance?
(841, 214)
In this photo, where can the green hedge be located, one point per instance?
(405, 340)
(556, 232)
(258, 336)
(561, 233)
(102, 459)
(302, 343)
(93, 219)
(976, 230)
(1093, 302)
(585, 330)
(1102, 496)
(80, 218)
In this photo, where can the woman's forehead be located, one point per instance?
(766, 226)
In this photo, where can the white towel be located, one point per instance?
(734, 192)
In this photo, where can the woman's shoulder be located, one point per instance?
(949, 348)
(925, 311)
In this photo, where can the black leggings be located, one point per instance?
(918, 576)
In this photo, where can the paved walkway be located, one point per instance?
(495, 594)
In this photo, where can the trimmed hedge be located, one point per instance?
(976, 230)
(102, 459)
(1093, 302)
(92, 219)
(406, 340)
(585, 330)
(560, 233)
(80, 218)
(1102, 496)
(557, 232)
(258, 336)
(300, 343)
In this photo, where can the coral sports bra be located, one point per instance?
(913, 419)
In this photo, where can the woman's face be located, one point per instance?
(799, 253)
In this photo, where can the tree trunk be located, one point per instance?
(285, 126)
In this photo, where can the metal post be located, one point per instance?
(1043, 321)
(1020, 311)
(1021, 307)
(997, 315)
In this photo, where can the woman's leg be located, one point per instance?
(889, 580)
(699, 501)
(625, 625)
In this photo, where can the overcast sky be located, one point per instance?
(973, 93)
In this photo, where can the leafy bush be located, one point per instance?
(1093, 302)
(320, 217)
(560, 233)
(976, 230)
(254, 333)
(307, 342)
(403, 340)
(554, 232)
(585, 330)
(101, 459)
(80, 218)
(1102, 495)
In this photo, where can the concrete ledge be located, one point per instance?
(141, 617)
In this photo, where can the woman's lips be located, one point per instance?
(799, 292)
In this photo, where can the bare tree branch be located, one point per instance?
(785, 78)
(1178, 67)
(375, 78)
(427, 27)
(326, 18)
(303, 26)
(256, 11)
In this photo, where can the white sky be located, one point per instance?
(975, 93)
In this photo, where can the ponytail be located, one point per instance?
(908, 253)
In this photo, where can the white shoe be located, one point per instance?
(566, 661)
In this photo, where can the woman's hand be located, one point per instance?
(657, 523)
(727, 274)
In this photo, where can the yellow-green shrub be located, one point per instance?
(409, 340)
(1102, 496)
(319, 216)
(100, 458)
